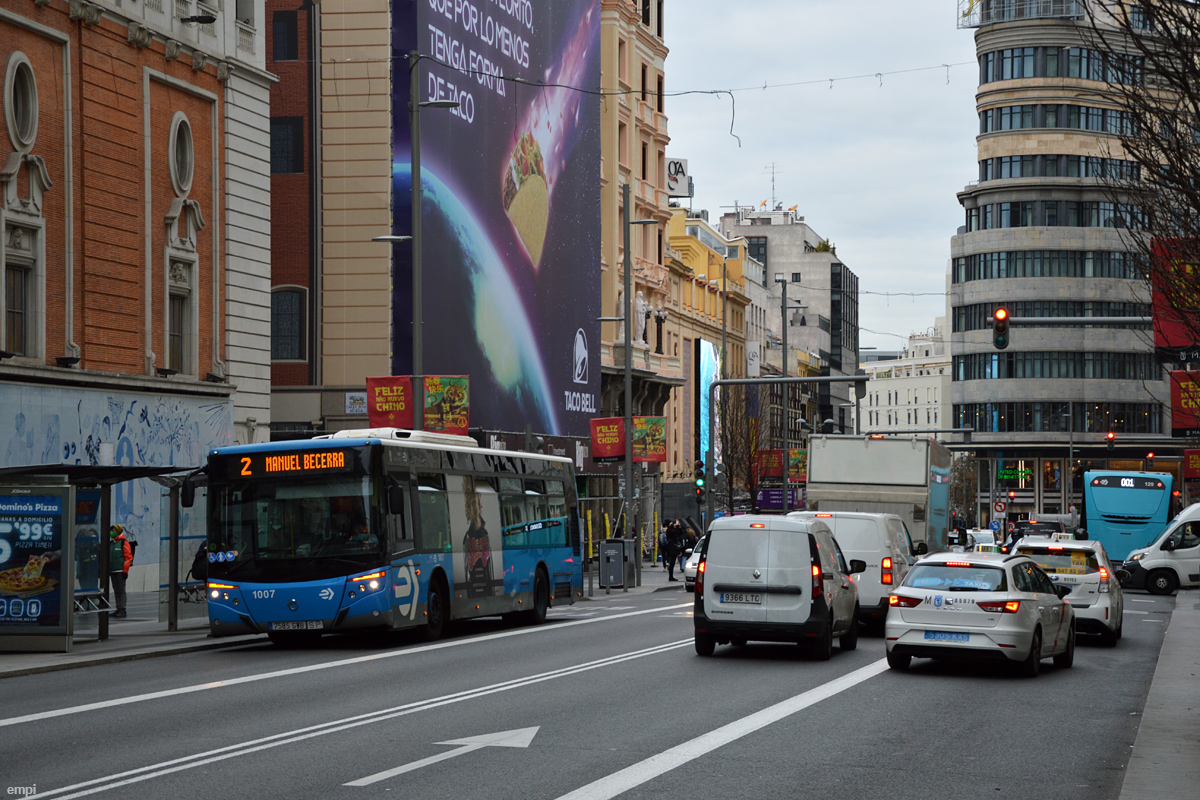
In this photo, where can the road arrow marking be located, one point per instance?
(520, 737)
(325, 594)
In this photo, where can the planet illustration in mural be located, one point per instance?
(474, 315)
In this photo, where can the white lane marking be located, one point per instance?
(1158, 621)
(649, 769)
(301, 734)
(521, 737)
(1134, 599)
(346, 662)
(1127, 611)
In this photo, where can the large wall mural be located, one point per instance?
(40, 425)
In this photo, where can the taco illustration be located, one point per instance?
(527, 195)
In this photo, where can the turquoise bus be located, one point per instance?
(386, 529)
(1126, 510)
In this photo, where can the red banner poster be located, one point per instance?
(650, 439)
(1185, 403)
(1191, 465)
(447, 403)
(771, 464)
(390, 402)
(608, 440)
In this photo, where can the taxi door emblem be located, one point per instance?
(937, 601)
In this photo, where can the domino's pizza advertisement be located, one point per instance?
(31, 543)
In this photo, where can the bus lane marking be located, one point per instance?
(140, 774)
(520, 737)
(653, 767)
(346, 662)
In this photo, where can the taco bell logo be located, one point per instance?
(581, 357)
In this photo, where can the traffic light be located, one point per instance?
(699, 481)
(1150, 459)
(720, 483)
(1111, 437)
(1000, 335)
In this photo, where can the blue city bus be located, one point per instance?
(386, 529)
(1126, 510)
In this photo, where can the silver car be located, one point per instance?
(980, 606)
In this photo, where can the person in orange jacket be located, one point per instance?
(120, 559)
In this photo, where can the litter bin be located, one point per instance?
(612, 563)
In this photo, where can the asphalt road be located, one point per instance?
(607, 699)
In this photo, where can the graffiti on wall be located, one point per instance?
(56, 426)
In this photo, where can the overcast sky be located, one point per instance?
(873, 168)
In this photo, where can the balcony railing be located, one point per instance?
(977, 13)
(245, 37)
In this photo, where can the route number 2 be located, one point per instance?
(246, 465)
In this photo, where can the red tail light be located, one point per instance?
(817, 589)
(959, 564)
(1000, 606)
(886, 572)
(700, 577)
(1104, 579)
(903, 601)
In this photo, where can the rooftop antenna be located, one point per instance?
(774, 169)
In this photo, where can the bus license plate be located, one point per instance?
(947, 636)
(740, 597)
(309, 625)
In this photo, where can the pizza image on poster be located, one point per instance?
(31, 541)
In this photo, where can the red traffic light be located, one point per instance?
(1150, 456)
(1001, 314)
(1110, 435)
(1012, 494)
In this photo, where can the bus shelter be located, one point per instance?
(53, 521)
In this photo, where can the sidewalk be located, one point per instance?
(140, 635)
(1165, 764)
(654, 579)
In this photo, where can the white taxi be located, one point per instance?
(980, 606)
(1083, 566)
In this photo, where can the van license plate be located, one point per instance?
(740, 597)
(947, 636)
(308, 625)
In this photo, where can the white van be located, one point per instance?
(883, 543)
(775, 579)
(1170, 561)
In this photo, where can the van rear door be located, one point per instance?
(735, 572)
(789, 573)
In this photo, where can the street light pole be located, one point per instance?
(628, 312)
(418, 322)
(1070, 470)
(780, 278)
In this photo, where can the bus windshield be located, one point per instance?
(297, 530)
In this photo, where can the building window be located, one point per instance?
(20, 102)
(181, 155)
(284, 39)
(622, 70)
(645, 161)
(661, 110)
(623, 143)
(658, 20)
(645, 83)
(16, 310)
(245, 12)
(177, 332)
(287, 145)
(288, 328)
(646, 13)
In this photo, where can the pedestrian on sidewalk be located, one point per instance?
(674, 548)
(120, 559)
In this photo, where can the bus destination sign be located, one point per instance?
(302, 462)
(1126, 482)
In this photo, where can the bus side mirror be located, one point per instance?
(187, 493)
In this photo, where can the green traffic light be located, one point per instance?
(699, 482)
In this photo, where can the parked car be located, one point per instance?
(1170, 561)
(1083, 567)
(775, 579)
(981, 606)
(883, 543)
(689, 566)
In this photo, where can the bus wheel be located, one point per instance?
(1162, 581)
(436, 610)
(541, 600)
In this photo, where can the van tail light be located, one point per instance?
(700, 578)
(1104, 577)
(817, 589)
(903, 601)
(1000, 606)
(886, 572)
